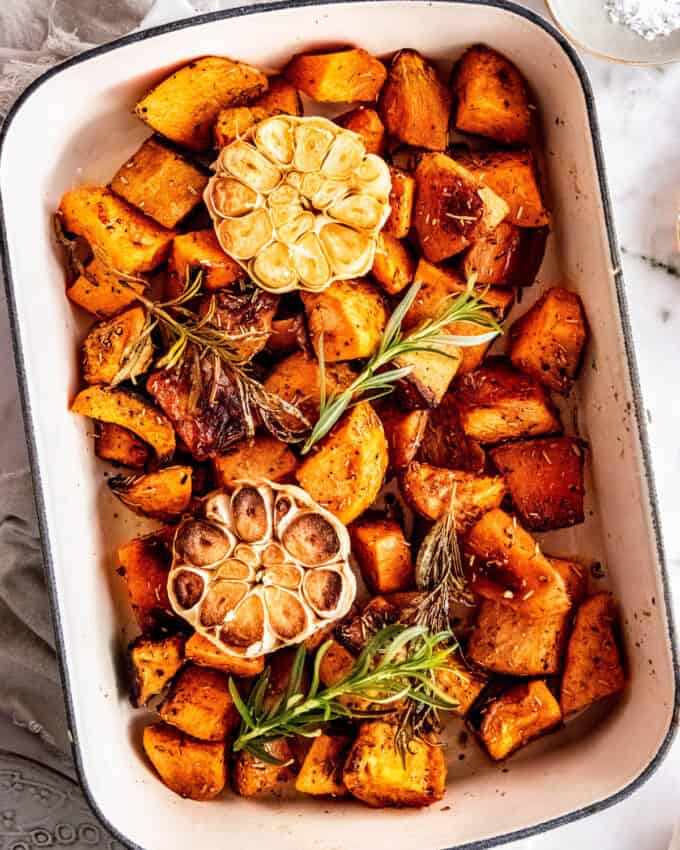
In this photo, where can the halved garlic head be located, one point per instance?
(299, 203)
(262, 567)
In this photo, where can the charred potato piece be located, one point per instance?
(144, 563)
(383, 554)
(152, 663)
(445, 444)
(262, 457)
(200, 251)
(404, 430)
(235, 121)
(593, 668)
(163, 495)
(547, 341)
(321, 771)
(415, 104)
(497, 403)
(508, 256)
(393, 266)
(516, 717)
(193, 769)
(199, 650)
(428, 490)
(492, 97)
(460, 683)
(251, 777)
(347, 470)
(102, 292)
(126, 241)
(337, 76)
(505, 563)
(513, 176)
(366, 122)
(451, 210)
(349, 316)
(184, 106)
(402, 196)
(160, 183)
(200, 705)
(545, 480)
(120, 446)
(111, 350)
(131, 411)
(376, 774)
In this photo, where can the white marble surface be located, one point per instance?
(639, 112)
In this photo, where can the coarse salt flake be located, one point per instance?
(648, 18)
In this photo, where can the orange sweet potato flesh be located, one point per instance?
(199, 650)
(404, 431)
(321, 771)
(109, 345)
(234, 121)
(508, 256)
(190, 768)
(118, 445)
(262, 457)
(101, 291)
(200, 705)
(394, 265)
(366, 122)
(444, 442)
(337, 76)
(144, 564)
(251, 777)
(200, 250)
(383, 554)
(402, 196)
(163, 495)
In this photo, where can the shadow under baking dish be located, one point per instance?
(73, 125)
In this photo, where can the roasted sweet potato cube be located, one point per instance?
(251, 777)
(593, 667)
(460, 683)
(415, 104)
(383, 553)
(547, 341)
(428, 490)
(336, 663)
(101, 291)
(445, 444)
(199, 703)
(508, 256)
(393, 266)
(200, 251)
(366, 122)
(346, 471)
(497, 403)
(349, 315)
(152, 663)
(160, 183)
(287, 335)
(404, 430)
(199, 650)
(193, 769)
(144, 563)
(505, 563)
(402, 196)
(120, 446)
(262, 457)
(322, 768)
(492, 97)
(111, 348)
(377, 774)
(340, 76)
(545, 480)
(513, 176)
(184, 106)
(430, 376)
(234, 122)
(164, 494)
(121, 236)
(516, 717)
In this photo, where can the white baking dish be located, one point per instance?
(74, 125)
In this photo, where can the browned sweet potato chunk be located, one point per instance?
(508, 256)
(451, 210)
(428, 489)
(337, 76)
(547, 341)
(366, 122)
(415, 104)
(199, 703)
(193, 769)
(124, 239)
(376, 773)
(404, 430)
(321, 771)
(251, 777)
(513, 176)
(431, 373)
(460, 683)
(144, 564)
(262, 457)
(163, 495)
(445, 444)
(383, 553)
(101, 291)
(505, 563)
(593, 668)
(393, 265)
(184, 106)
(402, 196)
(152, 663)
(545, 480)
(235, 121)
(120, 446)
(497, 403)
(247, 314)
(335, 664)
(110, 349)
(200, 251)
(355, 631)
(287, 335)
(492, 97)
(199, 650)
(518, 716)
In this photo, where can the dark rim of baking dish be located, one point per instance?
(276, 5)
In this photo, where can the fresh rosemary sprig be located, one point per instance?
(397, 663)
(430, 335)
